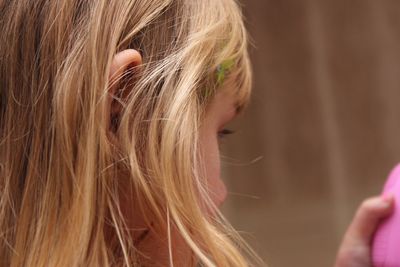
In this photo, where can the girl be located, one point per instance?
(110, 115)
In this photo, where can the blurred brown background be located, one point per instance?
(325, 118)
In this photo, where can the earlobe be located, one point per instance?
(122, 62)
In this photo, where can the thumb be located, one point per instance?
(367, 218)
(355, 248)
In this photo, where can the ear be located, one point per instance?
(120, 71)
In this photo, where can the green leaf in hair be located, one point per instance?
(222, 69)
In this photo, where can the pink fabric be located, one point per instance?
(386, 243)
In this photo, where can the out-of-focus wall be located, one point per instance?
(325, 118)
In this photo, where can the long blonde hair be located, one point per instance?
(59, 170)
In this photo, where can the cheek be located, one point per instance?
(212, 168)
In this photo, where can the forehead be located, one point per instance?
(225, 101)
(229, 94)
(238, 84)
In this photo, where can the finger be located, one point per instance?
(368, 216)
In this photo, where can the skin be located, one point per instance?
(355, 248)
(219, 112)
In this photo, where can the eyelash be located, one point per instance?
(225, 132)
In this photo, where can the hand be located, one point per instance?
(355, 250)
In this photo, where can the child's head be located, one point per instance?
(105, 114)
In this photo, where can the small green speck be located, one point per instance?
(222, 69)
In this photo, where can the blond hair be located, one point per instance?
(59, 171)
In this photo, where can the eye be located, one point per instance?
(225, 132)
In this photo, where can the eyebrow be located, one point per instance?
(239, 107)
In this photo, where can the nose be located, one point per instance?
(221, 194)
